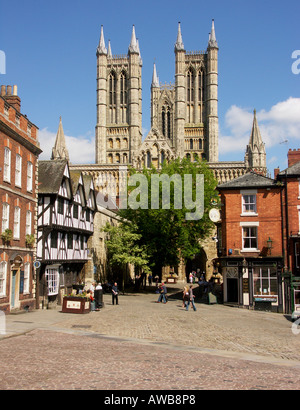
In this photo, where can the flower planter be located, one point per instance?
(73, 304)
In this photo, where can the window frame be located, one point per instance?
(18, 171)
(29, 176)
(7, 165)
(17, 223)
(5, 222)
(251, 203)
(3, 280)
(52, 276)
(26, 282)
(271, 279)
(28, 228)
(250, 238)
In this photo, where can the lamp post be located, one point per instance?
(269, 244)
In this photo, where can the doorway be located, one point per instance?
(232, 290)
(13, 288)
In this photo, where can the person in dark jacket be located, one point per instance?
(163, 293)
(115, 293)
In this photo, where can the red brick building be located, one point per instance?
(290, 180)
(19, 150)
(251, 244)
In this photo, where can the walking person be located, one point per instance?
(185, 295)
(163, 293)
(115, 293)
(190, 300)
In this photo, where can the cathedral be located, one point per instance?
(184, 120)
(184, 115)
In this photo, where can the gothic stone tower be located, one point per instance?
(187, 113)
(119, 103)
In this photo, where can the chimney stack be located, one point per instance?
(10, 94)
(293, 156)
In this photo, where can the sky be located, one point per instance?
(50, 54)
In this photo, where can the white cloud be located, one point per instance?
(81, 149)
(280, 123)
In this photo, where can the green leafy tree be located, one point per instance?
(166, 233)
(124, 247)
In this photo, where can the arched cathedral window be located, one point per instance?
(201, 86)
(163, 121)
(190, 86)
(201, 91)
(112, 88)
(112, 96)
(166, 121)
(123, 88)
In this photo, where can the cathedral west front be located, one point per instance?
(184, 119)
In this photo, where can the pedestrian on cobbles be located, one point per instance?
(185, 295)
(163, 293)
(190, 300)
(115, 294)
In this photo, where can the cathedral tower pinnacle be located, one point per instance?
(59, 151)
(212, 97)
(255, 157)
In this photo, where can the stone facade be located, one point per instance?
(184, 120)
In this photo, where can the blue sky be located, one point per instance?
(50, 49)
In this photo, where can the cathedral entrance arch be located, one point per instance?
(197, 264)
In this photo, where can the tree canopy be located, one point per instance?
(170, 218)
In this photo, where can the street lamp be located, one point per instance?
(269, 244)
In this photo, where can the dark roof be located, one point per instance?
(106, 201)
(293, 170)
(75, 176)
(249, 180)
(50, 176)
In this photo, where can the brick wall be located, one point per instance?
(18, 137)
(268, 219)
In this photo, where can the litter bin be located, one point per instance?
(98, 296)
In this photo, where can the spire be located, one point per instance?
(101, 49)
(179, 43)
(255, 137)
(155, 79)
(109, 54)
(255, 157)
(133, 47)
(212, 41)
(59, 151)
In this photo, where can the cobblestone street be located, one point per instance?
(143, 345)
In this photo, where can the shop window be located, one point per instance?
(52, 278)
(265, 281)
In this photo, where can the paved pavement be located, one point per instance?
(143, 345)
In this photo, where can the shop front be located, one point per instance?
(253, 283)
(296, 298)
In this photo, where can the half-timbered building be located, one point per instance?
(66, 209)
